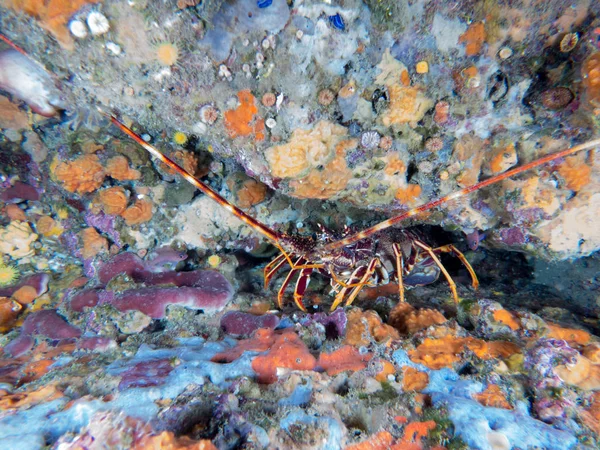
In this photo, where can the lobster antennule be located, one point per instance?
(461, 193)
(248, 220)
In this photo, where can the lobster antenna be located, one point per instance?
(13, 45)
(253, 223)
(458, 194)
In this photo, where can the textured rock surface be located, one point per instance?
(492, 81)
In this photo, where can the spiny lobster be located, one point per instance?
(352, 259)
(356, 259)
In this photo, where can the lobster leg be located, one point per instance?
(297, 266)
(272, 268)
(399, 270)
(286, 282)
(431, 253)
(340, 283)
(301, 285)
(363, 281)
(356, 276)
(456, 252)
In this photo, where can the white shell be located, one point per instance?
(199, 128)
(98, 23)
(78, 29)
(270, 123)
(115, 49)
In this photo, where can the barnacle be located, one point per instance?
(209, 114)
(325, 97)
(557, 98)
(370, 139)
(268, 99)
(52, 16)
(434, 144)
(568, 42)
(386, 142)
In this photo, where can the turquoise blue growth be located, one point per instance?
(264, 3)
(337, 21)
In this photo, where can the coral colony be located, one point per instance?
(299, 224)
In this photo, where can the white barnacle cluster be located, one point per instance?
(97, 24)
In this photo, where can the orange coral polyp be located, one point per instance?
(473, 38)
(118, 168)
(443, 352)
(93, 243)
(575, 172)
(362, 326)
(343, 359)
(494, 397)
(574, 337)
(408, 194)
(113, 200)
(408, 320)
(82, 175)
(380, 441)
(507, 318)
(284, 350)
(395, 166)
(324, 184)
(414, 380)
(251, 193)
(243, 120)
(139, 213)
(287, 352)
